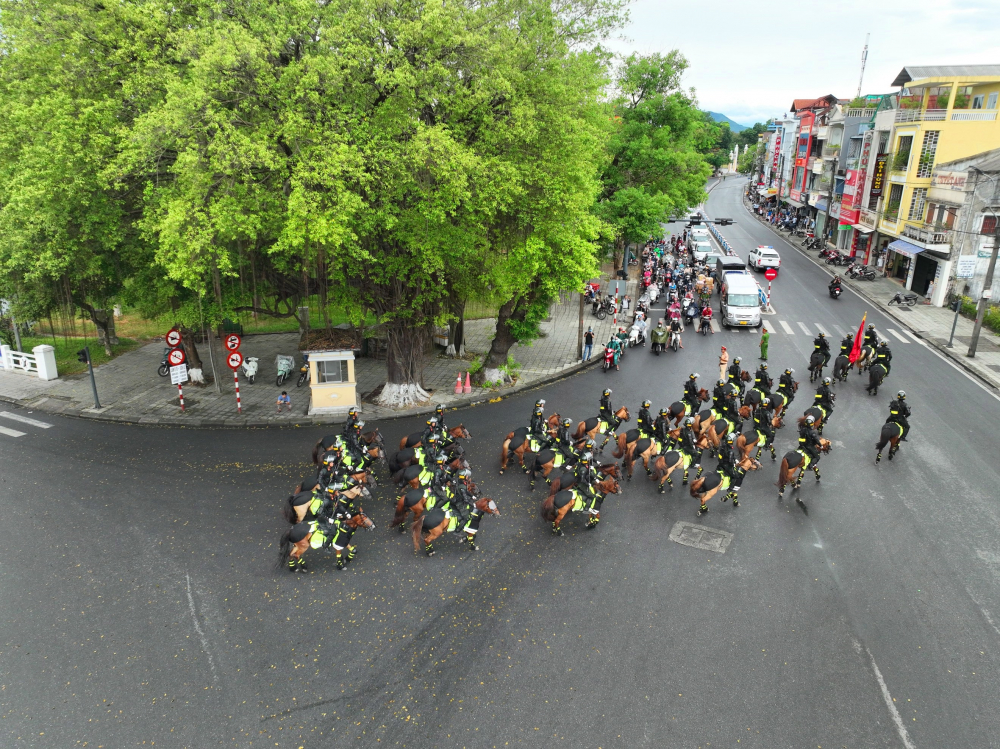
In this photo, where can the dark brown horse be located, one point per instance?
(437, 522)
(679, 409)
(890, 435)
(296, 541)
(556, 507)
(595, 425)
(793, 465)
(519, 443)
(413, 439)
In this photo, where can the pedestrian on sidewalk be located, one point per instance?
(588, 343)
(764, 337)
(723, 364)
(284, 400)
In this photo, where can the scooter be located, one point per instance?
(303, 371)
(284, 365)
(907, 300)
(834, 292)
(706, 326)
(675, 339)
(249, 368)
(164, 369)
(609, 359)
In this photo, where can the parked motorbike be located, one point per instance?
(901, 299)
(303, 371)
(284, 365)
(249, 368)
(164, 369)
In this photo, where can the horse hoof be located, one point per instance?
(736, 502)
(501, 471)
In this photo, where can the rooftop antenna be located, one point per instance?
(864, 59)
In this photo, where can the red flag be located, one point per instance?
(856, 351)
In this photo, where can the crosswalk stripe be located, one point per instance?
(24, 419)
(822, 330)
(715, 325)
(786, 327)
(897, 335)
(804, 328)
(11, 432)
(840, 331)
(913, 335)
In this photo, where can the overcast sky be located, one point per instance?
(749, 60)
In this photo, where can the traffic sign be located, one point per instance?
(234, 360)
(174, 338)
(176, 357)
(178, 374)
(770, 274)
(232, 343)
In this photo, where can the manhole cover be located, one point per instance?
(700, 537)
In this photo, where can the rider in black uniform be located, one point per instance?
(786, 384)
(847, 344)
(821, 344)
(761, 381)
(762, 423)
(824, 396)
(687, 444)
(606, 412)
(691, 392)
(871, 338)
(899, 412)
(884, 356)
(644, 421)
(563, 441)
(809, 441)
(661, 430)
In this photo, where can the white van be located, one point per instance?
(696, 235)
(740, 301)
(701, 250)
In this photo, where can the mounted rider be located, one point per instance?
(661, 430)
(687, 443)
(430, 430)
(735, 373)
(691, 397)
(883, 356)
(847, 345)
(719, 395)
(539, 428)
(438, 487)
(871, 338)
(786, 384)
(809, 440)
(606, 412)
(442, 429)
(821, 344)
(762, 425)
(824, 396)
(899, 411)
(353, 441)
(564, 442)
(728, 465)
(353, 417)
(644, 422)
(761, 380)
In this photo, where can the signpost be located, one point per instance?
(770, 274)
(232, 342)
(176, 357)
(233, 361)
(173, 338)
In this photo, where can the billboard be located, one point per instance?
(878, 176)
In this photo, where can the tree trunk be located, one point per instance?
(100, 319)
(195, 371)
(619, 253)
(405, 362)
(515, 310)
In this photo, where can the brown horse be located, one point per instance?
(794, 464)
(413, 439)
(703, 420)
(645, 449)
(865, 358)
(368, 438)
(747, 441)
(819, 414)
(438, 522)
(717, 432)
(296, 507)
(410, 476)
(297, 540)
(779, 406)
(547, 460)
(665, 464)
(679, 409)
(556, 507)
(707, 486)
(624, 443)
(519, 443)
(595, 425)
(891, 434)
(567, 479)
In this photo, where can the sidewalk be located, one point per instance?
(932, 324)
(131, 392)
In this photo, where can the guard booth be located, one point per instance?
(332, 381)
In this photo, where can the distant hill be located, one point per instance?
(734, 126)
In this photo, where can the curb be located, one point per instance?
(994, 386)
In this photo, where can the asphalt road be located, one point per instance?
(140, 604)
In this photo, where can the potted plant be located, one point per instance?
(900, 161)
(961, 101)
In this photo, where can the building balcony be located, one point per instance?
(830, 152)
(927, 236)
(976, 115)
(921, 115)
(866, 113)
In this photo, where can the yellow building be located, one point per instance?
(942, 114)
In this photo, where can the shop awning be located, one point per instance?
(905, 248)
(862, 228)
(796, 203)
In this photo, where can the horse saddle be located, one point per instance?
(806, 460)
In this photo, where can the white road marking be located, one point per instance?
(896, 717)
(198, 629)
(840, 331)
(11, 432)
(786, 327)
(821, 329)
(897, 335)
(715, 325)
(912, 335)
(804, 328)
(24, 419)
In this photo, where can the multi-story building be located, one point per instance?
(810, 187)
(778, 159)
(941, 114)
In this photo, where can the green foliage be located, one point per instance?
(746, 162)
(900, 161)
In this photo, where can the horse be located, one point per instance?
(819, 414)
(296, 540)
(556, 507)
(779, 405)
(664, 466)
(707, 486)
(567, 479)
(519, 442)
(816, 365)
(595, 425)
(747, 441)
(437, 522)
(794, 464)
(306, 485)
(625, 442)
(368, 438)
(891, 433)
(645, 449)
(702, 420)
(411, 476)
(876, 373)
(413, 439)
(841, 368)
(679, 409)
(717, 432)
(865, 358)
(296, 507)
(412, 456)
(545, 461)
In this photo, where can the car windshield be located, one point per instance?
(768, 253)
(743, 300)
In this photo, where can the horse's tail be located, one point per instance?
(288, 510)
(397, 477)
(696, 486)
(622, 442)
(505, 451)
(801, 420)
(284, 549)
(581, 430)
(783, 474)
(418, 529)
(315, 455)
(548, 509)
(400, 515)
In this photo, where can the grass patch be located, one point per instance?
(66, 361)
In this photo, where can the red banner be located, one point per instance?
(856, 351)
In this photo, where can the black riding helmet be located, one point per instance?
(663, 412)
(567, 422)
(607, 391)
(647, 404)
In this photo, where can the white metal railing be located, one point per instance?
(859, 112)
(925, 234)
(12, 359)
(916, 115)
(42, 361)
(975, 116)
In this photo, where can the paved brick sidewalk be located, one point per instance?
(932, 324)
(131, 391)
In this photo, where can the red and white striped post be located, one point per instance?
(769, 295)
(180, 394)
(236, 380)
(614, 321)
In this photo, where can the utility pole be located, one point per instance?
(864, 58)
(987, 289)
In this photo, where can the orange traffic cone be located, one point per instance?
(458, 384)
(468, 383)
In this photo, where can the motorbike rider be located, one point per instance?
(835, 284)
(659, 337)
(871, 337)
(691, 396)
(899, 411)
(809, 440)
(644, 421)
(615, 347)
(706, 318)
(847, 345)
(821, 344)
(884, 356)
(786, 384)
(824, 396)
(675, 327)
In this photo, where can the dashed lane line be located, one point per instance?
(11, 432)
(25, 420)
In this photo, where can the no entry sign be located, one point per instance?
(770, 274)
(176, 357)
(174, 338)
(232, 343)
(234, 360)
